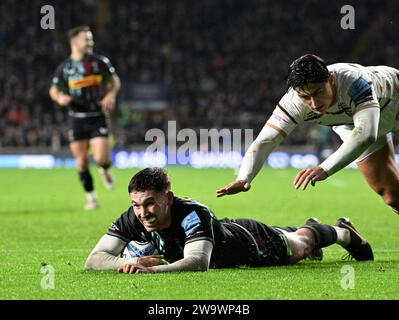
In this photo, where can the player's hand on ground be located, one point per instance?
(64, 100)
(309, 175)
(108, 102)
(150, 261)
(233, 187)
(135, 268)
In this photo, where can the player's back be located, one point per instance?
(385, 79)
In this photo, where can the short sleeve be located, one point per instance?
(59, 80)
(108, 68)
(197, 225)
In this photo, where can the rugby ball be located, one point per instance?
(139, 249)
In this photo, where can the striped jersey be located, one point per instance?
(85, 81)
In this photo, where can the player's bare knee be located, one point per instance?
(392, 200)
(82, 164)
(103, 162)
(301, 246)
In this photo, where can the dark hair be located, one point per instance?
(72, 33)
(307, 69)
(155, 179)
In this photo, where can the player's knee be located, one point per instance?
(103, 163)
(82, 164)
(392, 200)
(301, 248)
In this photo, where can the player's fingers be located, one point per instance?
(127, 268)
(306, 182)
(221, 192)
(298, 182)
(132, 269)
(298, 177)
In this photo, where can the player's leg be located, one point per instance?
(316, 235)
(382, 175)
(316, 253)
(102, 156)
(79, 151)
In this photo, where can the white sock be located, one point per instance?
(91, 195)
(343, 236)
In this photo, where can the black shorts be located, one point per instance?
(272, 246)
(87, 128)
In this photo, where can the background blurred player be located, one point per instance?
(87, 84)
(361, 103)
(189, 236)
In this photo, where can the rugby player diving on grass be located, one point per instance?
(188, 236)
(362, 106)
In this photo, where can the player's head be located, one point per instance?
(315, 85)
(151, 197)
(81, 39)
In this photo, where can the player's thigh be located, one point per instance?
(380, 170)
(101, 149)
(80, 151)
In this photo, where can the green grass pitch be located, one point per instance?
(42, 221)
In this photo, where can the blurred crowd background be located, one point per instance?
(213, 64)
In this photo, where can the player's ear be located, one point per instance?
(170, 196)
(331, 79)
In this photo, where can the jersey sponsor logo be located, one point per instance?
(71, 71)
(191, 224)
(89, 81)
(114, 227)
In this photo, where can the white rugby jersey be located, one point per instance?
(357, 87)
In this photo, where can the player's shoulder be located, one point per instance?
(126, 226)
(342, 69)
(183, 207)
(292, 104)
(127, 219)
(64, 63)
(99, 57)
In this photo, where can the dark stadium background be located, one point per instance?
(204, 64)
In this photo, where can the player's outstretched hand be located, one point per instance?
(309, 175)
(135, 268)
(150, 261)
(234, 187)
(108, 102)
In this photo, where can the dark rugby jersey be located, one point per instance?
(85, 81)
(191, 221)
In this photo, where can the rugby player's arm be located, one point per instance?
(197, 256)
(362, 136)
(268, 139)
(106, 254)
(115, 85)
(58, 96)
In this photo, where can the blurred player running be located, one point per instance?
(87, 84)
(360, 103)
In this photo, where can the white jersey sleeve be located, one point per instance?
(106, 254)
(288, 113)
(286, 116)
